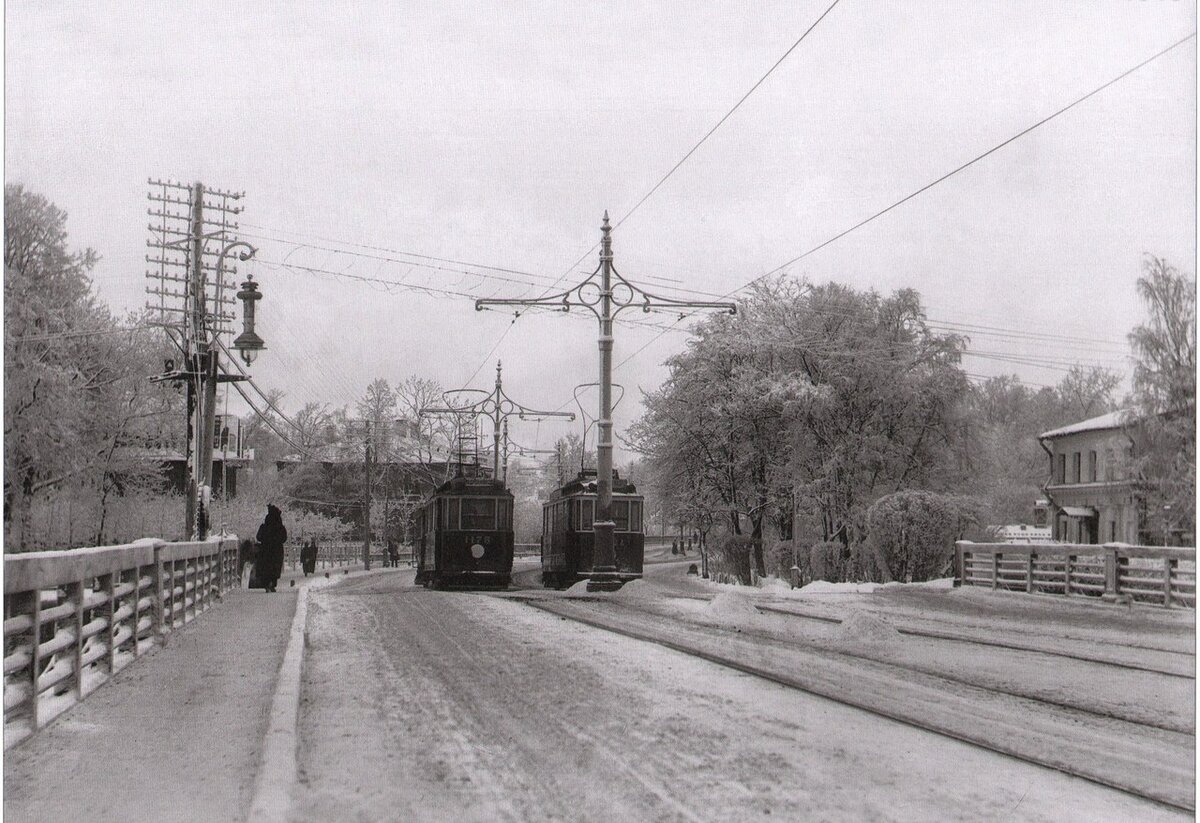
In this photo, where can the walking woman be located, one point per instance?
(271, 537)
(308, 557)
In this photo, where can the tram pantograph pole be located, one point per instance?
(605, 301)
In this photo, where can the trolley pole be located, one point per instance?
(604, 561)
(496, 430)
(598, 294)
(497, 407)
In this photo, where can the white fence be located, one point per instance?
(1151, 574)
(74, 618)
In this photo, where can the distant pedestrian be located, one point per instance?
(393, 552)
(271, 537)
(308, 557)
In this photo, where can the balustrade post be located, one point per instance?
(1029, 572)
(75, 595)
(35, 657)
(960, 571)
(1169, 566)
(995, 569)
(1112, 581)
(159, 606)
(136, 603)
(1067, 575)
(110, 632)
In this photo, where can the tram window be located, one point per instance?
(635, 515)
(620, 514)
(450, 514)
(588, 509)
(478, 513)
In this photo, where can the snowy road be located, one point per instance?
(421, 705)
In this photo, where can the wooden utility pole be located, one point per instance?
(195, 315)
(367, 495)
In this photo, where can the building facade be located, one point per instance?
(1091, 492)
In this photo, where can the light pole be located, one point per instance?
(605, 300)
(211, 377)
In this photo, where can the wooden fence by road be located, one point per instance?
(1150, 574)
(74, 618)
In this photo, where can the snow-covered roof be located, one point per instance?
(1112, 420)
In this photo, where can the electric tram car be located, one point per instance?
(568, 539)
(466, 535)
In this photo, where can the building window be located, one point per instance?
(1062, 468)
(1112, 531)
(1075, 468)
(1091, 467)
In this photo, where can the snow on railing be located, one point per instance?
(1155, 574)
(74, 618)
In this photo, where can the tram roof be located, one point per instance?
(585, 483)
(473, 486)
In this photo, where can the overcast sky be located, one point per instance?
(499, 135)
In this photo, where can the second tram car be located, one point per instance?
(568, 538)
(465, 535)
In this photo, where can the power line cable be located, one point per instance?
(701, 142)
(726, 116)
(944, 177)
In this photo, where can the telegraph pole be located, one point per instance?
(179, 241)
(598, 294)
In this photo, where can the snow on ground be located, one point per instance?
(456, 706)
(860, 625)
(1045, 633)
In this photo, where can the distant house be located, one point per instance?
(1091, 492)
(1020, 533)
(229, 455)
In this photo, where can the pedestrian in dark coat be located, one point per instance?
(271, 537)
(308, 557)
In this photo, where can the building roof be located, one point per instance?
(1112, 420)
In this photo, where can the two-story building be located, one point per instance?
(1091, 492)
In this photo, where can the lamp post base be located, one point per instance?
(604, 580)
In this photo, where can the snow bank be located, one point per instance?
(578, 590)
(824, 587)
(860, 625)
(773, 585)
(636, 590)
(731, 606)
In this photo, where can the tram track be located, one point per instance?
(958, 638)
(1042, 747)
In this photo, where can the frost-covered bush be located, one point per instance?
(732, 557)
(780, 555)
(829, 560)
(912, 533)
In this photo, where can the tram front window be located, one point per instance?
(620, 514)
(478, 513)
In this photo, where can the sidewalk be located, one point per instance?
(175, 736)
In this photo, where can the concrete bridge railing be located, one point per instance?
(74, 618)
(1151, 574)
